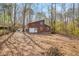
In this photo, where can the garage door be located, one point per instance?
(33, 30)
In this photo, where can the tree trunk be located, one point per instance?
(24, 11)
(52, 26)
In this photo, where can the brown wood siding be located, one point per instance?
(40, 27)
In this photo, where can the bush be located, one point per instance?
(3, 31)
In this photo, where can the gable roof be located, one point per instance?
(36, 22)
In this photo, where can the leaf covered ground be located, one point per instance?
(22, 44)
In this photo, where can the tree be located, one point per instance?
(64, 17)
(7, 11)
(29, 13)
(55, 18)
(73, 5)
(24, 11)
(52, 17)
(40, 16)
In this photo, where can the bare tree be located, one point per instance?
(24, 11)
(52, 17)
(78, 9)
(13, 16)
(73, 7)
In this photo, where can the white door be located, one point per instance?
(33, 30)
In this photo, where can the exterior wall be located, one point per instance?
(41, 27)
(33, 30)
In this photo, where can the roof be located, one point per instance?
(36, 22)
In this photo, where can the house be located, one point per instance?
(38, 27)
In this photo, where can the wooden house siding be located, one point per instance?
(41, 27)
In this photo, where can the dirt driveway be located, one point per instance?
(25, 44)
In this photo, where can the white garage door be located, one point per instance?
(33, 30)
